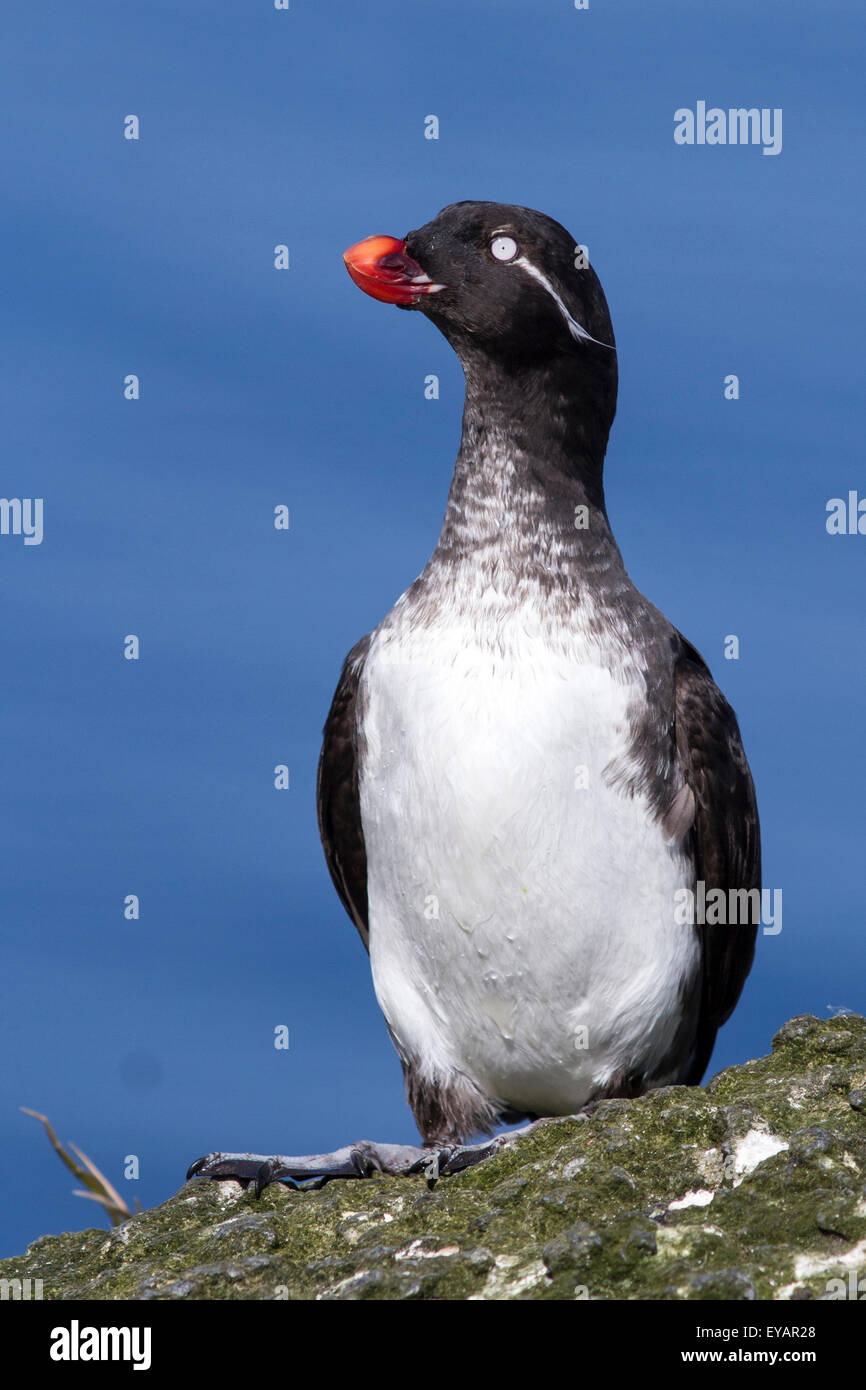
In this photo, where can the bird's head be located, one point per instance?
(496, 279)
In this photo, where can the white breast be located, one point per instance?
(521, 911)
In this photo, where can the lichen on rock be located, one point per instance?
(753, 1187)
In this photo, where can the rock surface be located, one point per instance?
(752, 1187)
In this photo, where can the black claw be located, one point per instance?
(438, 1165)
(460, 1159)
(196, 1167)
(433, 1165)
(365, 1164)
(264, 1176)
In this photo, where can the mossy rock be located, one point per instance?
(751, 1187)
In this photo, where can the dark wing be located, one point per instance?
(726, 838)
(337, 796)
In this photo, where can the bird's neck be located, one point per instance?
(528, 477)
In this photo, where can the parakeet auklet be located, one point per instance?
(526, 768)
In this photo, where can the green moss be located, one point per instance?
(765, 1169)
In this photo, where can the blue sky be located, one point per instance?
(261, 387)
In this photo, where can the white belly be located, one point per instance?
(521, 911)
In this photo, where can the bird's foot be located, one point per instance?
(444, 1160)
(354, 1161)
(359, 1160)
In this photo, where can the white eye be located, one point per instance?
(503, 248)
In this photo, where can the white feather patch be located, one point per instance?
(577, 330)
(521, 923)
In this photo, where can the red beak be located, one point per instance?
(380, 267)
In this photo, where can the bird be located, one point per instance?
(526, 768)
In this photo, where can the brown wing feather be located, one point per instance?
(337, 794)
(726, 838)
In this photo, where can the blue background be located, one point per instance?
(261, 387)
